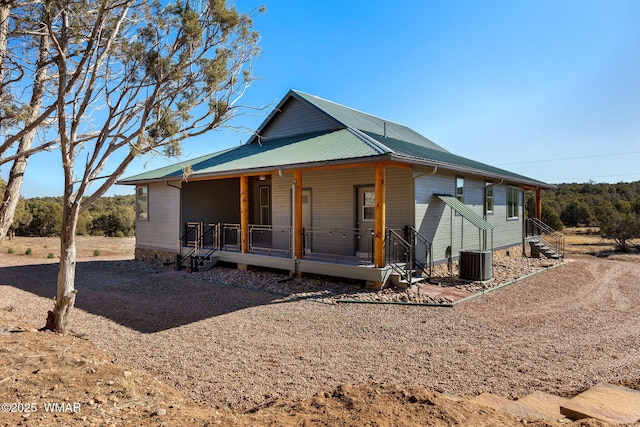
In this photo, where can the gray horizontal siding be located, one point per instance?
(297, 118)
(333, 203)
(438, 223)
(162, 229)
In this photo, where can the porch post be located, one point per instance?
(538, 203)
(379, 223)
(244, 214)
(297, 176)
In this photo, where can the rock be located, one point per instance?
(159, 413)
(100, 399)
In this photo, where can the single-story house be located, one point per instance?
(326, 189)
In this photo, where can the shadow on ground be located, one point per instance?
(144, 301)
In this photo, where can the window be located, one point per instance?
(488, 197)
(460, 188)
(369, 206)
(513, 202)
(265, 205)
(142, 203)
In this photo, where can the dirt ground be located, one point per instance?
(50, 379)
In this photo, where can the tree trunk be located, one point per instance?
(12, 195)
(12, 192)
(66, 292)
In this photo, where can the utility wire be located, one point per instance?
(569, 158)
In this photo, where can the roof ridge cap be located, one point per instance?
(350, 108)
(376, 145)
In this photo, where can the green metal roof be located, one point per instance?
(446, 159)
(465, 211)
(363, 137)
(343, 144)
(368, 123)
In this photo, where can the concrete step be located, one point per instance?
(537, 405)
(606, 402)
(491, 400)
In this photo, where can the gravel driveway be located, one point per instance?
(560, 331)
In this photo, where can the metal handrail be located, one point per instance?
(311, 235)
(547, 235)
(399, 254)
(256, 244)
(230, 229)
(417, 238)
(192, 238)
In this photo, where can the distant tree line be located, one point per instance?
(614, 208)
(42, 216)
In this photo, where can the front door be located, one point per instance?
(365, 213)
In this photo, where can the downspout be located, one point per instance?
(294, 186)
(179, 254)
(435, 169)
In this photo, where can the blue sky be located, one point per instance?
(547, 89)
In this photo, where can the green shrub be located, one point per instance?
(96, 252)
(28, 251)
(10, 250)
(50, 255)
(120, 234)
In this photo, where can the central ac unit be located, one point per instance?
(476, 265)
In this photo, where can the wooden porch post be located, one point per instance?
(379, 226)
(538, 204)
(244, 214)
(297, 176)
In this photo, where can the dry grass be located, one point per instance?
(581, 241)
(42, 247)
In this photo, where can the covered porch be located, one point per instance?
(275, 224)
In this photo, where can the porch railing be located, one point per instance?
(406, 251)
(230, 237)
(338, 245)
(270, 240)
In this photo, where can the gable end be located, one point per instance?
(297, 118)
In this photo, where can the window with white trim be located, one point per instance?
(142, 202)
(488, 197)
(513, 202)
(460, 188)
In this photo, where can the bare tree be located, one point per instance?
(149, 76)
(24, 60)
(16, 175)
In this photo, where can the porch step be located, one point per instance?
(545, 250)
(606, 402)
(404, 283)
(208, 262)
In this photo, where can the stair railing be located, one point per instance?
(210, 240)
(189, 244)
(421, 246)
(398, 254)
(536, 229)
